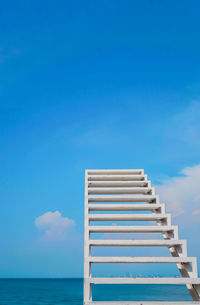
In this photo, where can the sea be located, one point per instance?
(70, 291)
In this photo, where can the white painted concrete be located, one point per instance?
(127, 217)
(145, 280)
(124, 207)
(142, 303)
(132, 229)
(136, 243)
(119, 190)
(132, 186)
(115, 172)
(118, 183)
(143, 260)
(116, 177)
(123, 198)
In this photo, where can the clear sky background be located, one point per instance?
(93, 84)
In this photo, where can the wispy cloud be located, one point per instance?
(54, 226)
(185, 126)
(182, 193)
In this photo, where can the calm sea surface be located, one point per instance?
(70, 291)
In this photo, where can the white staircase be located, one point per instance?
(116, 190)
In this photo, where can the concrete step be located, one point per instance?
(132, 229)
(123, 198)
(119, 190)
(141, 303)
(124, 207)
(128, 217)
(116, 177)
(115, 171)
(115, 259)
(138, 243)
(118, 183)
(145, 280)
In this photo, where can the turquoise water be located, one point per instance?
(70, 291)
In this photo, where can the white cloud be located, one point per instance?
(182, 193)
(54, 225)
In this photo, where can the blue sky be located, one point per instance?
(92, 84)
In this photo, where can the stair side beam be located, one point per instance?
(87, 264)
(186, 270)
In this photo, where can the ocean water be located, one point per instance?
(70, 291)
